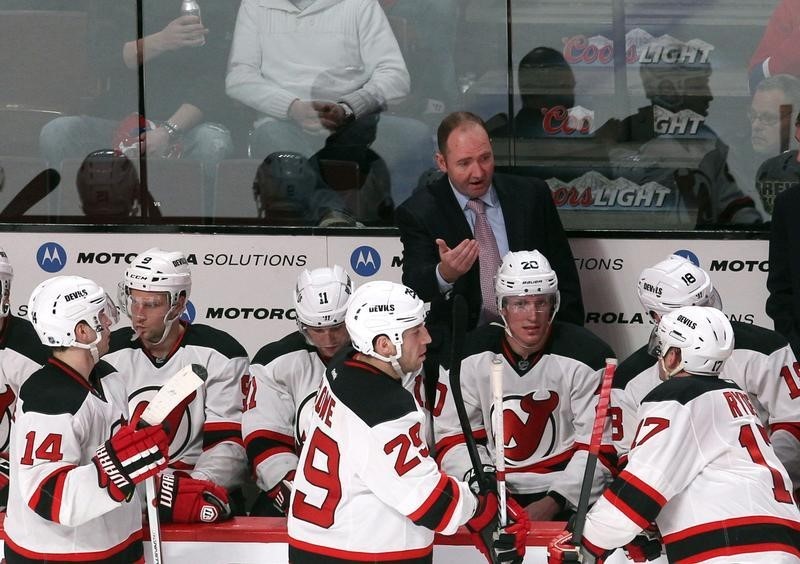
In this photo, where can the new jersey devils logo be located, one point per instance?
(529, 427)
(6, 401)
(302, 421)
(177, 425)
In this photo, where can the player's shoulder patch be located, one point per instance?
(576, 342)
(22, 338)
(52, 392)
(122, 339)
(293, 342)
(685, 389)
(374, 396)
(755, 338)
(631, 367)
(210, 337)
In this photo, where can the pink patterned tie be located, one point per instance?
(488, 259)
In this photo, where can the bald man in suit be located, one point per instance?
(437, 228)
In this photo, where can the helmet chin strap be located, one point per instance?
(168, 323)
(91, 347)
(667, 372)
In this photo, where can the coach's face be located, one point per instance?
(468, 160)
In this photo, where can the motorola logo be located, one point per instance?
(51, 257)
(189, 313)
(365, 261)
(689, 255)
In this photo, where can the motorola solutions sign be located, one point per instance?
(51, 257)
(365, 261)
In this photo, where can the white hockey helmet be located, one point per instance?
(382, 308)
(673, 283)
(321, 296)
(6, 275)
(525, 273)
(155, 270)
(59, 304)
(703, 334)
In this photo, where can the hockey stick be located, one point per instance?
(456, 353)
(32, 193)
(171, 395)
(594, 450)
(498, 425)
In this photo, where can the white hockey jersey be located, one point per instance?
(206, 438)
(701, 466)
(57, 511)
(549, 403)
(21, 354)
(762, 364)
(365, 488)
(284, 378)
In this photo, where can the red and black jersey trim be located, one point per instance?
(128, 551)
(734, 537)
(307, 553)
(447, 443)
(46, 501)
(637, 500)
(435, 513)
(262, 444)
(215, 433)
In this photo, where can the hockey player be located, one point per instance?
(551, 373)
(762, 364)
(207, 457)
(701, 465)
(364, 461)
(284, 377)
(74, 459)
(21, 353)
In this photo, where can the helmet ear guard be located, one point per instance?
(703, 334)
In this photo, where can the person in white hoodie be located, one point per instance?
(319, 72)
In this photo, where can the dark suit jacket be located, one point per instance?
(532, 223)
(783, 281)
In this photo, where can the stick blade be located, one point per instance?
(173, 392)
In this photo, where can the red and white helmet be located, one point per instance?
(6, 276)
(674, 283)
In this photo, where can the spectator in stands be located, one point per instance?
(285, 376)
(21, 353)
(775, 102)
(776, 53)
(184, 59)
(668, 142)
(108, 185)
(207, 458)
(322, 94)
(426, 32)
(546, 83)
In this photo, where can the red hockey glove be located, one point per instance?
(129, 457)
(499, 544)
(280, 494)
(645, 546)
(182, 499)
(5, 471)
